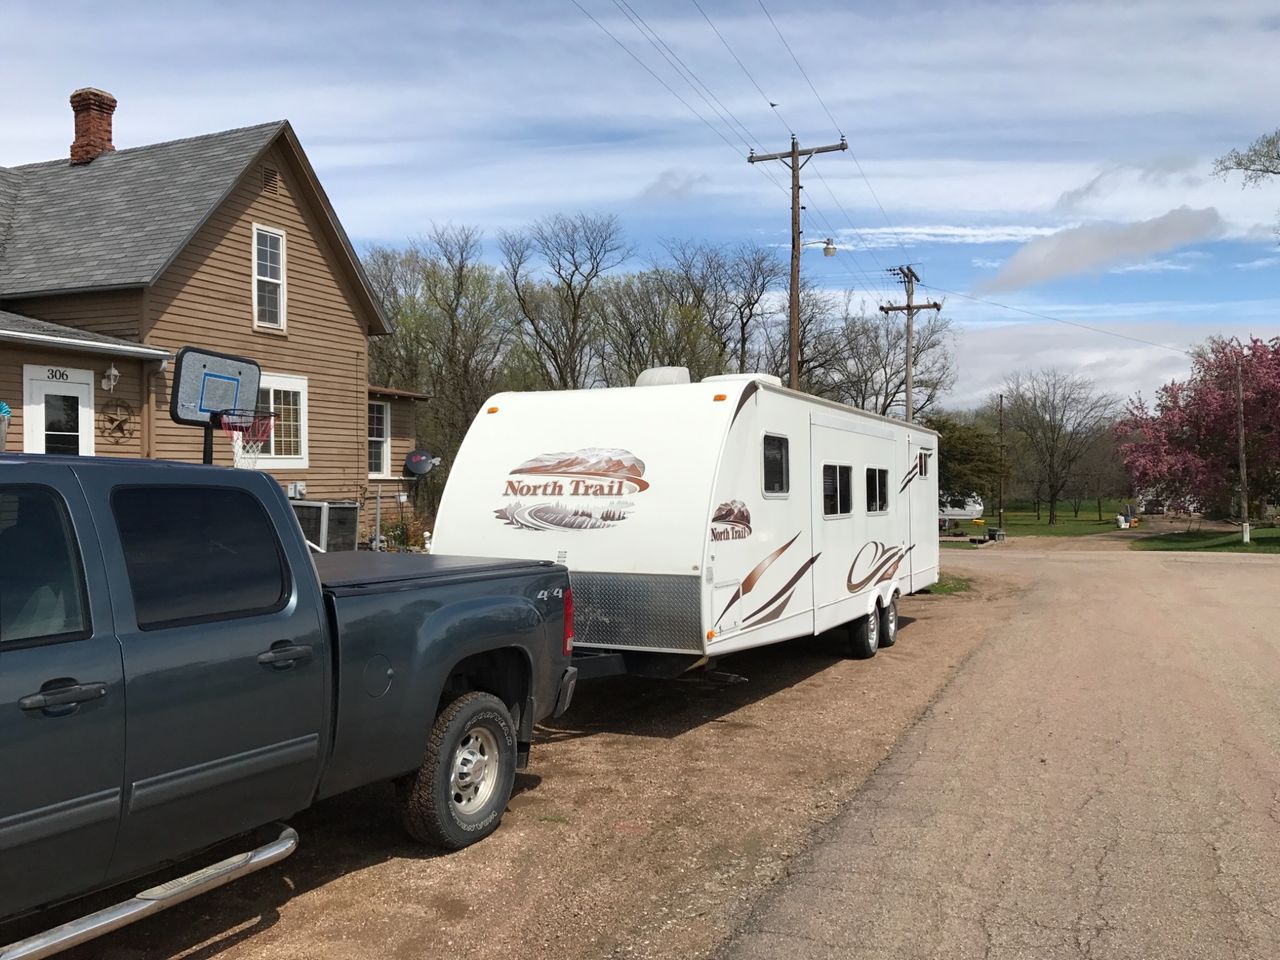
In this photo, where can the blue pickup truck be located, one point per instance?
(177, 669)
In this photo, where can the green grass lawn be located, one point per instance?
(1264, 541)
(949, 583)
(1023, 523)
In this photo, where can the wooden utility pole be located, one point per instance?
(909, 280)
(792, 159)
(1244, 469)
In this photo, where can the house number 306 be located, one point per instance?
(56, 374)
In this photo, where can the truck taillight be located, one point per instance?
(568, 621)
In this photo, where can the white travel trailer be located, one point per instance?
(702, 518)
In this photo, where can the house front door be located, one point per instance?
(57, 410)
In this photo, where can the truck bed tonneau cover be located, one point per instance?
(355, 568)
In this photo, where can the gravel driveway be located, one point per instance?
(1102, 779)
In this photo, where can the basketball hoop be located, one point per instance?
(247, 430)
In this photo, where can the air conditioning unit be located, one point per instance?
(330, 526)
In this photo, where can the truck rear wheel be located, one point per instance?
(461, 790)
(864, 636)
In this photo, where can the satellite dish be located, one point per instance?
(418, 463)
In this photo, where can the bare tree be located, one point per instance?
(1059, 416)
(641, 326)
(555, 309)
(820, 347)
(872, 371)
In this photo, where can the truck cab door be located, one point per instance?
(62, 702)
(225, 662)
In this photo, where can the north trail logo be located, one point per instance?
(595, 477)
(731, 521)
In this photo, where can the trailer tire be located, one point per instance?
(864, 636)
(889, 623)
(445, 803)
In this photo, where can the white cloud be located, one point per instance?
(673, 185)
(880, 237)
(1153, 266)
(1094, 246)
(985, 263)
(1260, 264)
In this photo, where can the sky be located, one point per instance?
(1052, 157)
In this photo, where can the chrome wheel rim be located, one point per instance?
(891, 621)
(873, 630)
(475, 770)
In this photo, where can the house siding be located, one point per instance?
(116, 313)
(128, 390)
(205, 299)
(403, 439)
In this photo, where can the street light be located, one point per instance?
(829, 248)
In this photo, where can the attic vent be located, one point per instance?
(270, 180)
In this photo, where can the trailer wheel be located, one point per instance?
(889, 623)
(460, 792)
(864, 636)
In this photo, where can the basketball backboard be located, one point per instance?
(205, 383)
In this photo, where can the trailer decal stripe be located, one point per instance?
(748, 392)
(911, 475)
(790, 584)
(884, 564)
(753, 577)
(774, 615)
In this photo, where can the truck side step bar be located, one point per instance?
(152, 900)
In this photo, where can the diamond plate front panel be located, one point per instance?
(657, 611)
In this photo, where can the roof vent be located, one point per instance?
(270, 180)
(662, 376)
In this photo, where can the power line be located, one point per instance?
(839, 128)
(649, 70)
(772, 105)
(1069, 323)
(803, 73)
(750, 138)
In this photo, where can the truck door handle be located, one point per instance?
(63, 696)
(283, 654)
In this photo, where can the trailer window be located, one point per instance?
(877, 490)
(837, 490)
(777, 465)
(924, 462)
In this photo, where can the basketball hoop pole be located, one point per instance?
(208, 443)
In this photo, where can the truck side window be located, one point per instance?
(198, 554)
(42, 594)
(877, 490)
(777, 465)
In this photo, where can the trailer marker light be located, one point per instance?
(720, 396)
(711, 634)
(492, 410)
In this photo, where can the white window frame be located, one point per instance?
(775, 494)
(36, 377)
(848, 512)
(888, 501)
(284, 278)
(385, 472)
(268, 460)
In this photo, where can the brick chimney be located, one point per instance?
(93, 109)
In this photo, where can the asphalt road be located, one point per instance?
(1100, 779)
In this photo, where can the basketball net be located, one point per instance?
(248, 431)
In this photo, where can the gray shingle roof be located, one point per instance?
(119, 220)
(15, 327)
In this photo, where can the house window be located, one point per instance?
(379, 439)
(877, 490)
(837, 490)
(286, 397)
(268, 278)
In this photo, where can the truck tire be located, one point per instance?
(864, 636)
(460, 792)
(889, 623)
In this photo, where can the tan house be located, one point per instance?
(111, 260)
